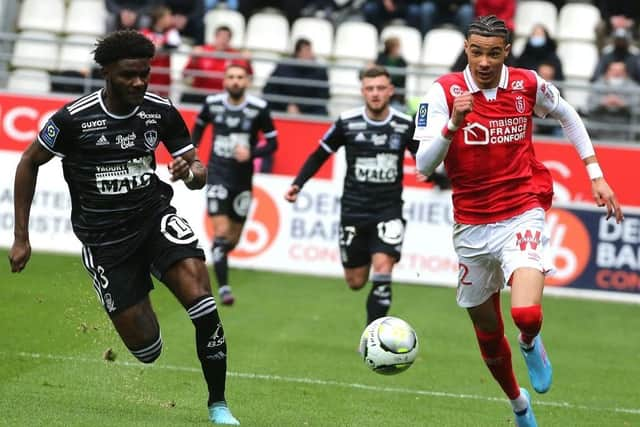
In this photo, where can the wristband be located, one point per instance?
(449, 130)
(594, 171)
(189, 177)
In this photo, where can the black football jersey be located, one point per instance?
(375, 156)
(234, 125)
(109, 163)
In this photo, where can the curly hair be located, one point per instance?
(489, 26)
(124, 44)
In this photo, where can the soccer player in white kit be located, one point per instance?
(479, 122)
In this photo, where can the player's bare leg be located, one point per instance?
(189, 281)
(495, 350)
(227, 235)
(526, 288)
(138, 327)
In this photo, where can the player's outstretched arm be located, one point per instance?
(602, 192)
(23, 191)
(188, 168)
(310, 167)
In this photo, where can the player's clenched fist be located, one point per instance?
(462, 105)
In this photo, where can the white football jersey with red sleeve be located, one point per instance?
(491, 161)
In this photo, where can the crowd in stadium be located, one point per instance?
(573, 43)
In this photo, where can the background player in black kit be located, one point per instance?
(121, 210)
(371, 225)
(236, 118)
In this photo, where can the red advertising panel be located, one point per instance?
(21, 116)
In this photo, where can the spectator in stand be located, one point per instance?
(128, 14)
(503, 9)
(540, 48)
(314, 83)
(188, 18)
(290, 8)
(205, 69)
(165, 38)
(391, 58)
(612, 102)
(380, 12)
(429, 14)
(617, 14)
(619, 51)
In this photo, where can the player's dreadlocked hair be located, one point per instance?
(124, 44)
(489, 26)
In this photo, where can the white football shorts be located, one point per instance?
(488, 254)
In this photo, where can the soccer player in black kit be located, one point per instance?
(371, 233)
(121, 211)
(236, 118)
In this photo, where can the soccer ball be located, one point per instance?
(389, 345)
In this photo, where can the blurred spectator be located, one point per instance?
(319, 8)
(612, 102)
(290, 8)
(308, 74)
(391, 58)
(619, 51)
(205, 69)
(380, 12)
(165, 38)
(549, 72)
(503, 9)
(429, 14)
(128, 14)
(617, 14)
(221, 4)
(540, 48)
(188, 18)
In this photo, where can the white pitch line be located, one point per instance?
(314, 381)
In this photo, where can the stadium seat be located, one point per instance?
(231, 18)
(579, 59)
(410, 41)
(76, 53)
(578, 21)
(35, 49)
(86, 17)
(318, 31)
(29, 80)
(518, 45)
(344, 87)
(532, 12)
(356, 41)
(35, 16)
(441, 47)
(267, 32)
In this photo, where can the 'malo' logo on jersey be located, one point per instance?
(381, 169)
(120, 178)
(126, 141)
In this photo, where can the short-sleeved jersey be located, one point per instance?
(375, 157)
(491, 161)
(234, 125)
(109, 163)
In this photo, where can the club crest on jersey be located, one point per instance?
(394, 141)
(423, 109)
(455, 90)
(520, 104)
(151, 139)
(232, 121)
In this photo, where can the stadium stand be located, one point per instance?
(86, 17)
(34, 16)
(531, 12)
(318, 31)
(232, 19)
(578, 21)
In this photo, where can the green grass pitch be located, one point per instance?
(293, 360)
